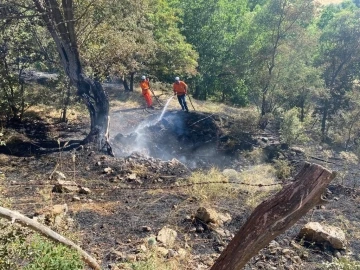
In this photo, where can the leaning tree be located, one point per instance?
(60, 21)
(58, 17)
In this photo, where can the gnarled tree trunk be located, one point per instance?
(60, 23)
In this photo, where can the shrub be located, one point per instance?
(247, 121)
(291, 128)
(22, 249)
(50, 256)
(342, 264)
(283, 169)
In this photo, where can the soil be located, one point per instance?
(148, 187)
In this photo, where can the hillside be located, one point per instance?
(103, 164)
(132, 196)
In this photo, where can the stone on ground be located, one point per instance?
(167, 237)
(59, 175)
(209, 215)
(65, 186)
(321, 234)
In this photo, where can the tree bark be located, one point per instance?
(263, 104)
(60, 23)
(324, 119)
(32, 224)
(132, 74)
(275, 215)
(125, 83)
(66, 102)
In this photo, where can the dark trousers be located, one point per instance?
(182, 102)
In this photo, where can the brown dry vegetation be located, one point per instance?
(112, 216)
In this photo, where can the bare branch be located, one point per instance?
(34, 225)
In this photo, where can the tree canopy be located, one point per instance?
(276, 55)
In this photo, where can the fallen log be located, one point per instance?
(275, 215)
(36, 226)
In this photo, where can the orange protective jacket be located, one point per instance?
(180, 88)
(145, 86)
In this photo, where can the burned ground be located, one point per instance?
(150, 188)
(198, 140)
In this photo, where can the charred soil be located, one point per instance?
(135, 194)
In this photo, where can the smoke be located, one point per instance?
(192, 138)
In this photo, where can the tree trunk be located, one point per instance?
(223, 95)
(302, 111)
(324, 119)
(197, 91)
(303, 98)
(60, 22)
(66, 102)
(132, 74)
(125, 83)
(275, 215)
(22, 105)
(263, 104)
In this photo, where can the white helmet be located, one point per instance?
(143, 77)
(177, 79)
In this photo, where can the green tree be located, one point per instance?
(301, 80)
(292, 129)
(59, 20)
(115, 37)
(212, 27)
(18, 51)
(173, 55)
(339, 57)
(277, 27)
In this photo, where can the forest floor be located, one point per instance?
(153, 182)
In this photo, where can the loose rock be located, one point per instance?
(84, 190)
(167, 237)
(207, 215)
(58, 176)
(108, 170)
(146, 229)
(163, 251)
(315, 232)
(65, 186)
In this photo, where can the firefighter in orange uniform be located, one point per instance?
(145, 87)
(180, 89)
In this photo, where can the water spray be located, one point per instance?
(164, 109)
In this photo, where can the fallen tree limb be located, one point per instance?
(36, 226)
(275, 215)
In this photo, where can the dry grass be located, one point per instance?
(256, 156)
(4, 201)
(103, 208)
(210, 192)
(127, 100)
(153, 260)
(74, 113)
(219, 108)
(259, 174)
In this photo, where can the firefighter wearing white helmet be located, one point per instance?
(180, 90)
(145, 87)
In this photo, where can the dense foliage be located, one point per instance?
(275, 55)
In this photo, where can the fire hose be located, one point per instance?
(191, 102)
